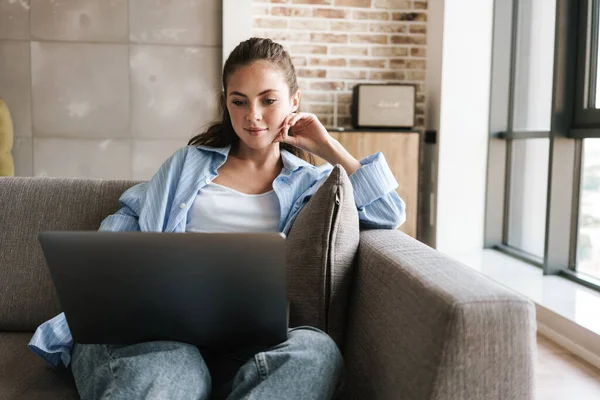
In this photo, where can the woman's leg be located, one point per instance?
(306, 366)
(152, 370)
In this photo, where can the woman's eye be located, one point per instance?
(270, 101)
(237, 102)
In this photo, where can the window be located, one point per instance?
(528, 192)
(588, 235)
(545, 125)
(533, 65)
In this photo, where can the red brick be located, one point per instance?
(326, 85)
(311, 73)
(303, 84)
(394, 51)
(367, 63)
(380, 39)
(323, 2)
(350, 50)
(328, 38)
(386, 75)
(394, 27)
(299, 61)
(330, 13)
(273, 23)
(398, 63)
(310, 25)
(415, 75)
(291, 11)
(411, 16)
(344, 121)
(344, 97)
(353, 3)
(328, 62)
(308, 49)
(293, 36)
(420, 28)
(350, 26)
(392, 4)
(344, 108)
(321, 108)
(418, 52)
(372, 15)
(323, 97)
(416, 64)
(404, 39)
(346, 74)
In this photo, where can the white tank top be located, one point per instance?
(218, 208)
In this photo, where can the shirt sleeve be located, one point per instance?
(378, 204)
(52, 341)
(127, 218)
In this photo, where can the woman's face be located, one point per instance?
(258, 100)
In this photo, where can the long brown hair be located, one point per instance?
(221, 133)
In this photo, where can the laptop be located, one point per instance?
(213, 290)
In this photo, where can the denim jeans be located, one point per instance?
(308, 365)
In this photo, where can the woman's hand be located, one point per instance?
(310, 135)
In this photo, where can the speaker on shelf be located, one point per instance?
(384, 105)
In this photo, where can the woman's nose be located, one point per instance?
(254, 114)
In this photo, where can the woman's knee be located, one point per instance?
(171, 365)
(320, 346)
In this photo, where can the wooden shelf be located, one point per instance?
(401, 151)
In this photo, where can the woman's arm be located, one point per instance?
(127, 218)
(378, 204)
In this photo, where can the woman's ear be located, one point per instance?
(296, 101)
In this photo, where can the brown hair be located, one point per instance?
(221, 133)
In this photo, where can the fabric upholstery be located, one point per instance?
(24, 376)
(423, 326)
(32, 205)
(320, 252)
(7, 166)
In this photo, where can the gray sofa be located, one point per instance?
(419, 324)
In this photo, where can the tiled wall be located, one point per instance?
(107, 88)
(338, 43)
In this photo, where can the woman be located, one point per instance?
(251, 166)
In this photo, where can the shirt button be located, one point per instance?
(182, 205)
(207, 181)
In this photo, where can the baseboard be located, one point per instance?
(573, 337)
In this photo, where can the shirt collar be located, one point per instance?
(290, 161)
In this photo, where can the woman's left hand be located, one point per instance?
(309, 134)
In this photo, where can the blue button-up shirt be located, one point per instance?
(162, 205)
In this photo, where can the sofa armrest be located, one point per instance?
(424, 326)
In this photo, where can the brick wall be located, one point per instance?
(336, 44)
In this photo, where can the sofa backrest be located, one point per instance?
(32, 205)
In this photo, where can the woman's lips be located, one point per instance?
(255, 132)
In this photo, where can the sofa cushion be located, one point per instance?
(32, 205)
(320, 252)
(25, 376)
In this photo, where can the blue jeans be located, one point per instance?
(306, 366)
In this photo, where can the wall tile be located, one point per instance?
(80, 89)
(149, 155)
(190, 22)
(15, 84)
(22, 153)
(174, 90)
(14, 19)
(102, 158)
(81, 20)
